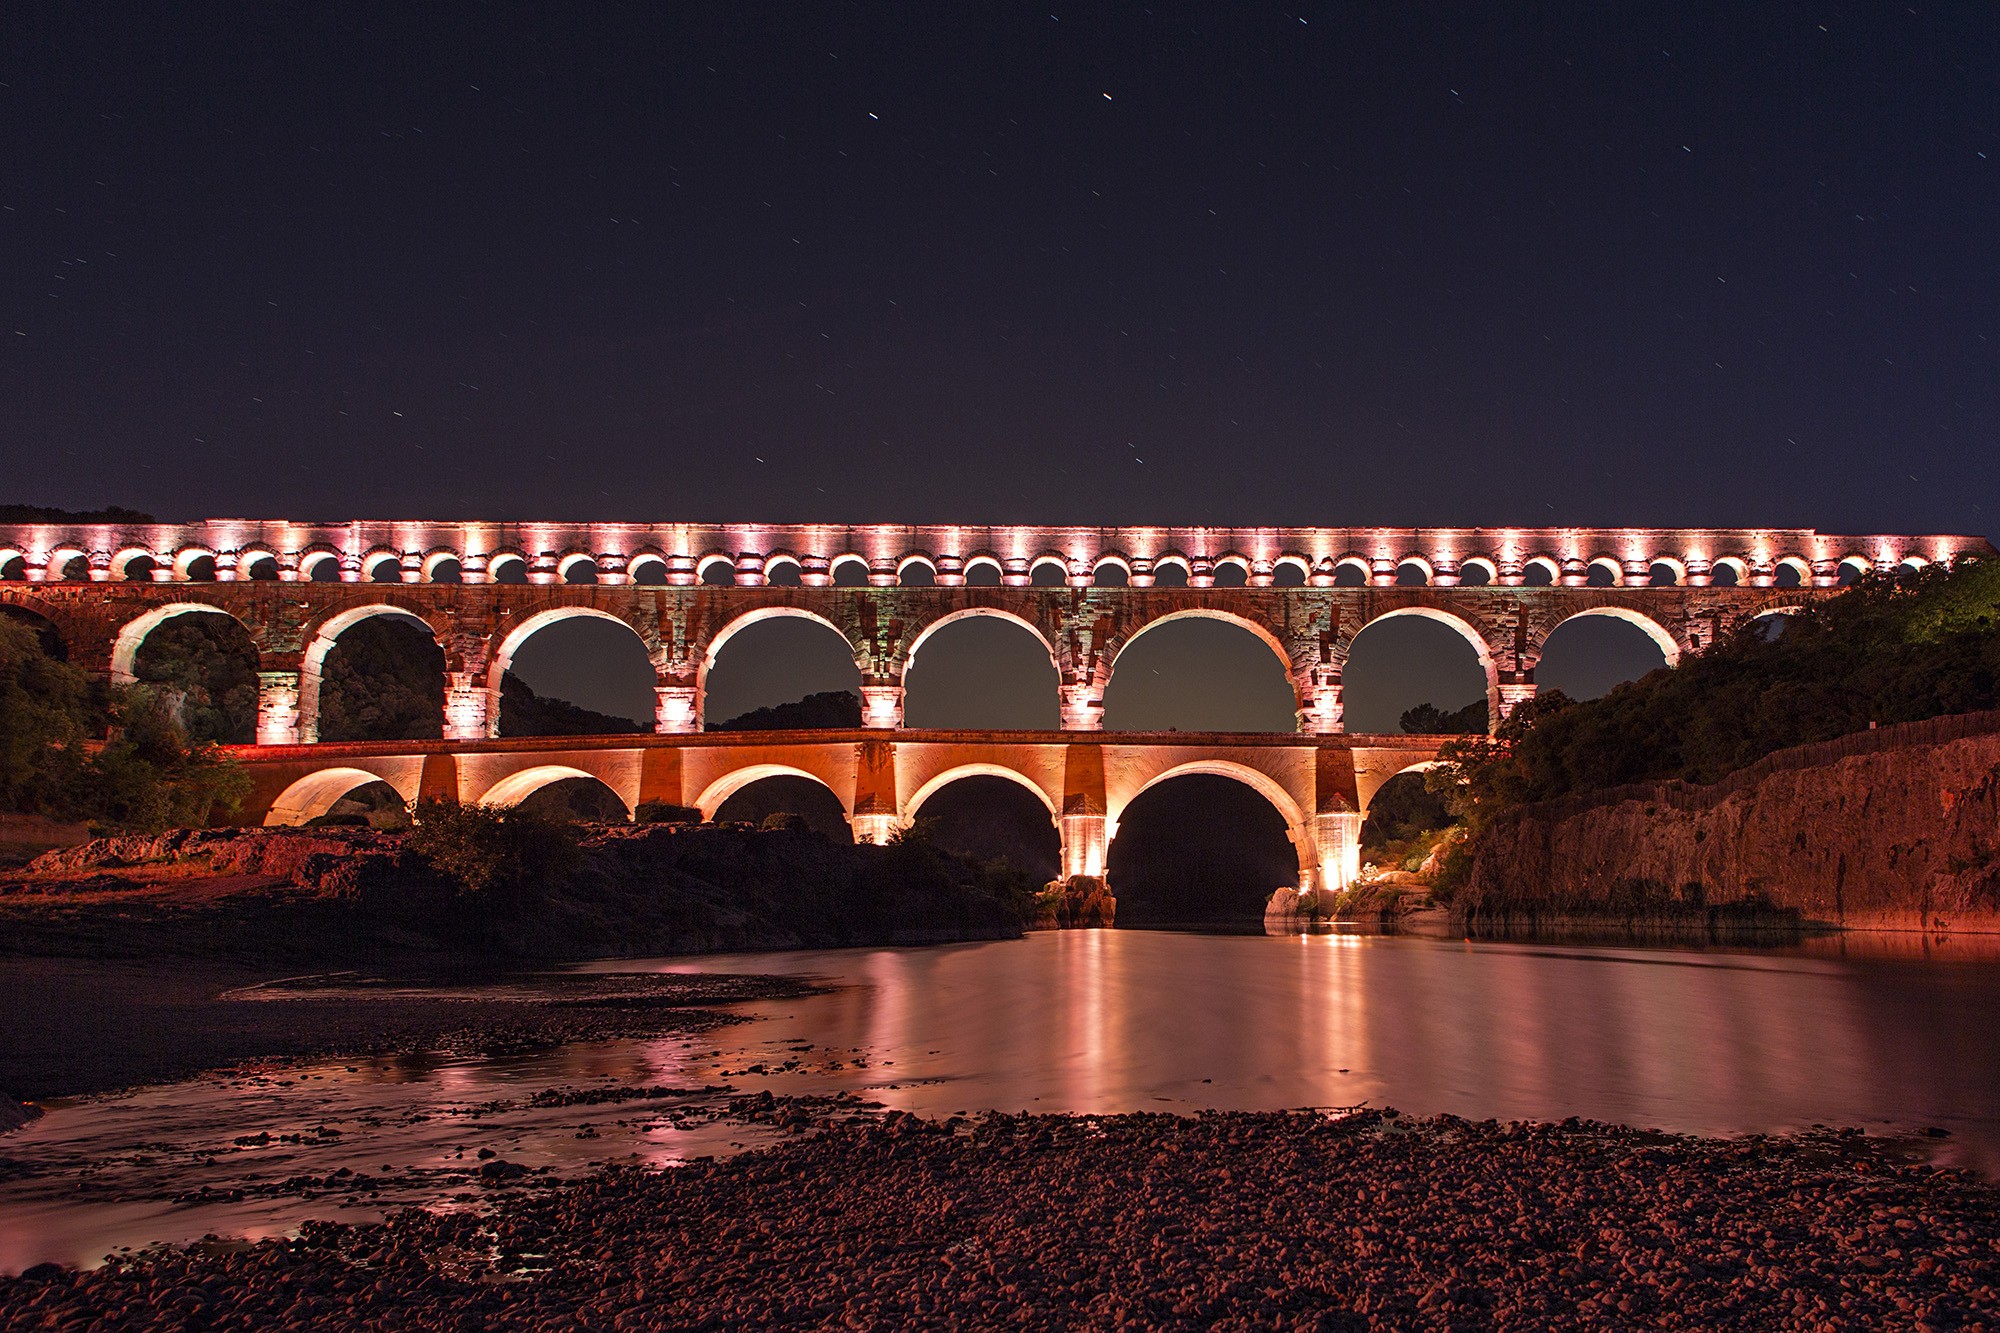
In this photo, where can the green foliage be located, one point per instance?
(383, 681)
(919, 832)
(784, 821)
(489, 850)
(149, 776)
(205, 667)
(1886, 651)
(666, 812)
(46, 711)
(1405, 808)
(1429, 720)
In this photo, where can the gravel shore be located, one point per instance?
(1288, 1220)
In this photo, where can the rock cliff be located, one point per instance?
(1890, 829)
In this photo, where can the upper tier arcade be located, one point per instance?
(752, 555)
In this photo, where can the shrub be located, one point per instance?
(666, 812)
(489, 850)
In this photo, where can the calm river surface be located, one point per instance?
(1708, 1042)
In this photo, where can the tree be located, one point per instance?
(205, 667)
(46, 712)
(1428, 719)
(830, 710)
(383, 681)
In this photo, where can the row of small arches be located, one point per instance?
(785, 570)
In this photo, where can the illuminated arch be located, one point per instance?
(841, 561)
(1653, 629)
(249, 557)
(1113, 560)
(1367, 793)
(312, 663)
(726, 786)
(1172, 558)
(985, 558)
(312, 559)
(1263, 783)
(1547, 562)
(184, 560)
(503, 655)
(1912, 564)
(778, 561)
(1860, 565)
(1205, 613)
(1418, 563)
(1298, 562)
(518, 787)
(1735, 564)
(1234, 559)
(1798, 565)
(732, 628)
(641, 560)
(124, 558)
(1676, 566)
(923, 635)
(934, 785)
(917, 558)
(1480, 562)
(132, 635)
(1356, 563)
(1609, 566)
(1465, 631)
(375, 559)
(710, 561)
(437, 560)
(500, 560)
(316, 793)
(1045, 561)
(577, 560)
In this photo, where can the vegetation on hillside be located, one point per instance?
(831, 710)
(205, 668)
(54, 759)
(526, 713)
(1429, 720)
(1886, 651)
(383, 681)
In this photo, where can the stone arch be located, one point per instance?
(1798, 566)
(1911, 564)
(1231, 560)
(184, 561)
(1613, 571)
(53, 618)
(1111, 560)
(1853, 568)
(1669, 647)
(711, 561)
(60, 561)
(510, 643)
(250, 557)
(980, 561)
(726, 786)
(320, 641)
(443, 566)
(316, 793)
(1257, 628)
(578, 567)
(132, 635)
(731, 628)
(121, 562)
(372, 563)
(917, 560)
(501, 564)
(1466, 631)
(13, 564)
(847, 565)
(1288, 808)
(1048, 560)
(782, 569)
(1484, 565)
(311, 560)
(1426, 573)
(1675, 567)
(924, 634)
(1173, 560)
(1368, 786)
(1363, 571)
(934, 785)
(1736, 565)
(1545, 564)
(1301, 571)
(518, 786)
(640, 561)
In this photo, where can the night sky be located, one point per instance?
(1226, 264)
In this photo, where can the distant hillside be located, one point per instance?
(525, 713)
(45, 514)
(832, 710)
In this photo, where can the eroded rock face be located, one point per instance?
(1904, 838)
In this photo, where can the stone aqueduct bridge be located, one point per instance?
(484, 589)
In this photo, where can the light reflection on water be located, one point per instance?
(1722, 1042)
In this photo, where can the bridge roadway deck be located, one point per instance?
(1320, 784)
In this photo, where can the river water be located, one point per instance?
(1842, 1032)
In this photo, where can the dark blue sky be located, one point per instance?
(1432, 264)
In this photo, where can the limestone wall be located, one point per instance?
(1897, 828)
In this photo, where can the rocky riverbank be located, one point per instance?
(1897, 829)
(318, 896)
(1292, 1220)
